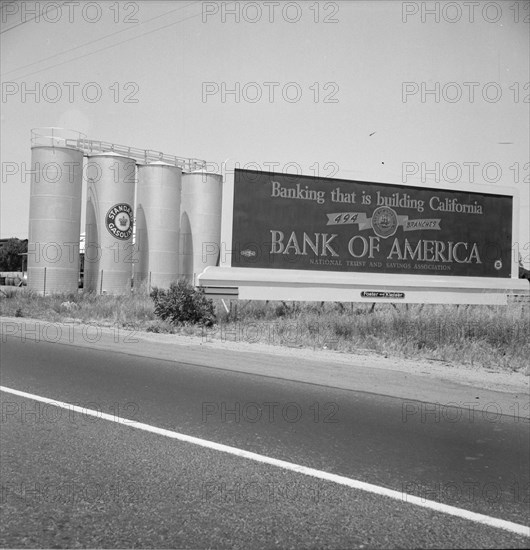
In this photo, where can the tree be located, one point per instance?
(10, 260)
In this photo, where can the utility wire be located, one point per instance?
(99, 40)
(45, 9)
(94, 41)
(107, 47)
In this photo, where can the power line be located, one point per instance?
(94, 41)
(107, 47)
(45, 9)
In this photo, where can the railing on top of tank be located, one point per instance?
(55, 137)
(90, 146)
(63, 137)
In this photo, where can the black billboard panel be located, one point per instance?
(284, 221)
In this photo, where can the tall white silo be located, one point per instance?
(200, 222)
(109, 249)
(55, 212)
(157, 224)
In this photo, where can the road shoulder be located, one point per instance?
(497, 392)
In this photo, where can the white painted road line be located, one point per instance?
(319, 474)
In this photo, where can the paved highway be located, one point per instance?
(74, 480)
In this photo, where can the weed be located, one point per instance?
(182, 304)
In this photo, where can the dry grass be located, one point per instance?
(135, 309)
(489, 336)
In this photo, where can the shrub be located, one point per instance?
(183, 304)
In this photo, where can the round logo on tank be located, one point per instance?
(384, 221)
(119, 221)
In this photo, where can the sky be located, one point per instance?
(386, 91)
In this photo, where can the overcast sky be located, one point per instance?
(358, 90)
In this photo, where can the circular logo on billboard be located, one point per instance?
(384, 221)
(119, 221)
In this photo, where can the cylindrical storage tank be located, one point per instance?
(157, 225)
(54, 219)
(109, 249)
(200, 223)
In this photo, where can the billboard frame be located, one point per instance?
(249, 283)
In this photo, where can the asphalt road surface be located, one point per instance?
(69, 479)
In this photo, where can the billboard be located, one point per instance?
(284, 221)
